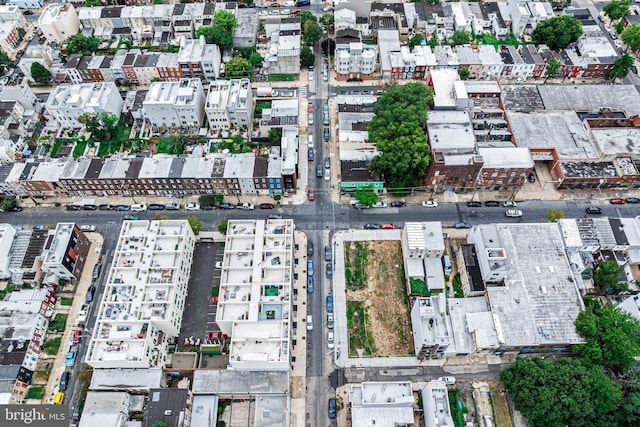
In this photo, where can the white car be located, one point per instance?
(138, 208)
(310, 75)
(330, 341)
(285, 12)
(513, 213)
(430, 204)
(448, 380)
(192, 207)
(509, 204)
(88, 227)
(219, 264)
(327, 174)
(327, 8)
(310, 142)
(379, 205)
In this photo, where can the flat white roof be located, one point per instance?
(450, 130)
(506, 157)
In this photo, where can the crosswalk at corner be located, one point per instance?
(303, 91)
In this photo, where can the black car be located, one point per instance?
(74, 208)
(89, 207)
(96, 271)
(123, 208)
(226, 205)
(208, 208)
(327, 134)
(106, 207)
(311, 155)
(15, 209)
(474, 204)
(462, 225)
(398, 204)
(532, 177)
(64, 381)
(491, 203)
(155, 207)
(372, 226)
(91, 293)
(27, 12)
(319, 171)
(594, 210)
(329, 271)
(632, 200)
(327, 162)
(309, 248)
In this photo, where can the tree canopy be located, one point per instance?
(5, 62)
(631, 36)
(327, 19)
(616, 9)
(553, 215)
(561, 392)
(83, 45)
(306, 16)
(416, 40)
(39, 73)
(238, 67)
(366, 197)
(195, 223)
(101, 125)
(612, 336)
(8, 203)
(464, 73)
(557, 32)
(397, 129)
(607, 276)
(207, 200)
(312, 32)
(553, 68)
(307, 57)
(460, 37)
(221, 31)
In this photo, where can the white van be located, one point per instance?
(309, 323)
(310, 142)
(138, 208)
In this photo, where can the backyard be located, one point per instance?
(377, 304)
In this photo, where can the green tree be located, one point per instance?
(557, 32)
(208, 34)
(366, 197)
(224, 27)
(628, 413)
(619, 27)
(397, 129)
(416, 40)
(327, 19)
(238, 67)
(553, 215)
(255, 59)
(219, 198)
(621, 66)
(40, 74)
(306, 16)
(83, 45)
(560, 4)
(207, 200)
(307, 57)
(101, 125)
(195, 223)
(8, 203)
(616, 9)
(433, 41)
(631, 36)
(552, 69)
(561, 392)
(5, 62)
(612, 336)
(311, 32)
(460, 37)
(158, 424)
(91, 3)
(21, 32)
(464, 73)
(275, 136)
(607, 275)
(222, 225)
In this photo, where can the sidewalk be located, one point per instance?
(299, 351)
(66, 338)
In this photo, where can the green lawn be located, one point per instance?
(66, 301)
(357, 325)
(59, 323)
(282, 77)
(35, 392)
(80, 147)
(59, 143)
(52, 345)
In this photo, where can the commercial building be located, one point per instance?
(58, 22)
(175, 104)
(383, 404)
(68, 102)
(144, 298)
(229, 105)
(256, 294)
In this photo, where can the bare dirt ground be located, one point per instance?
(385, 295)
(500, 404)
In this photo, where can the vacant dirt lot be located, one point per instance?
(378, 286)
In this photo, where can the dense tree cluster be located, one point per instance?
(557, 32)
(631, 36)
(621, 66)
(397, 128)
(221, 31)
(616, 9)
(83, 45)
(40, 74)
(102, 126)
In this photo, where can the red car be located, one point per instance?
(76, 335)
(266, 206)
(312, 196)
(275, 4)
(387, 226)
(617, 201)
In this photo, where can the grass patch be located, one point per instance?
(456, 405)
(282, 77)
(59, 323)
(357, 325)
(261, 106)
(64, 301)
(35, 392)
(56, 146)
(165, 146)
(43, 371)
(52, 345)
(457, 287)
(7, 290)
(120, 138)
(80, 148)
(84, 378)
(418, 287)
(357, 256)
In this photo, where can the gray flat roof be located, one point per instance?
(590, 97)
(125, 379)
(240, 382)
(540, 300)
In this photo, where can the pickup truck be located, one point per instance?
(245, 206)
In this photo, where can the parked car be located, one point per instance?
(330, 320)
(90, 293)
(326, 134)
(330, 342)
(319, 171)
(398, 204)
(379, 205)
(332, 401)
(617, 201)
(632, 200)
(192, 207)
(15, 209)
(131, 217)
(309, 248)
(96, 271)
(89, 207)
(310, 118)
(327, 162)
(492, 203)
(156, 207)
(310, 268)
(360, 206)
(140, 207)
(70, 359)
(88, 227)
(309, 323)
(123, 208)
(39, 227)
(172, 206)
(430, 204)
(329, 303)
(311, 154)
(329, 272)
(448, 380)
(106, 207)
(266, 206)
(387, 226)
(225, 205)
(371, 226)
(513, 213)
(474, 204)
(309, 284)
(77, 334)
(532, 177)
(245, 206)
(327, 174)
(593, 210)
(74, 207)
(327, 253)
(462, 225)
(274, 216)
(64, 381)
(311, 195)
(508, 204)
